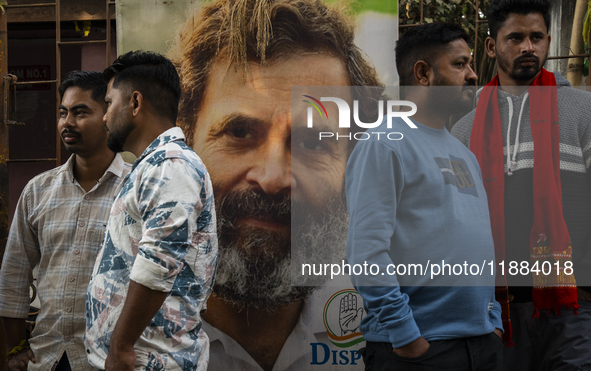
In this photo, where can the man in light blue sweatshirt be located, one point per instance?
(421, 200)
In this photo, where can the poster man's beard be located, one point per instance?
(255, 264)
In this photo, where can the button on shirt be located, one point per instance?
(162, 235)
(59, 227)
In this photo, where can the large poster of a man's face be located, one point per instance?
(238, 62)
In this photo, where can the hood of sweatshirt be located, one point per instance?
(521, 101)
(560, 80)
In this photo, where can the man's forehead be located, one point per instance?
(121, 89)
(523, 23)
(110, 83)
(264, 94)
(75, 95)
(456, 49)
(277, 75)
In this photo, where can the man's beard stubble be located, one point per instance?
(116, 139)
(444, 89)
(518, 73)
(255, 264)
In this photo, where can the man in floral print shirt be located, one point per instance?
(156, 268)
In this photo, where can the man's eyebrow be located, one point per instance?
(515, 34)
(464, 58)
(236, 118)
(78, 106)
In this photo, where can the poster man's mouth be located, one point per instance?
(263, 222)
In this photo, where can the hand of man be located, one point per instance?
(21, 360)
(120, 360)
(499, 333)
(413, 349)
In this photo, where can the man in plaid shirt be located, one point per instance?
(58, 227)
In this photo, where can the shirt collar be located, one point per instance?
(170, 135)
(310, 316)
(116, 167)
(69, 167)
(309, 328)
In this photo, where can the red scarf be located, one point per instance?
(549, 238)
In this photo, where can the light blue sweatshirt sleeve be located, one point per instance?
(495, 316)
(374, 184)
(495, 313)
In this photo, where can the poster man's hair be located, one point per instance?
(264, 30)
(152, 75)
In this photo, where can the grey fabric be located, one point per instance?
(550, 342)
(574, 108)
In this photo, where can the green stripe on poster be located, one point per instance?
(379, 6)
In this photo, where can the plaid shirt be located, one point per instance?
(162, 235)
(59, 227)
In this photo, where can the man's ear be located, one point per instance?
(137, 103)
(422, 72)
(489, 45)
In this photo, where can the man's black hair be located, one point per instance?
(424, 42)
(153, 75)
(86, 80)
(499, 10)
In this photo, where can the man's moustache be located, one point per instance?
(256, 204)
(526, 56)
(69, 131)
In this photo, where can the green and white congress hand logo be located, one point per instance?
(343, 313)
